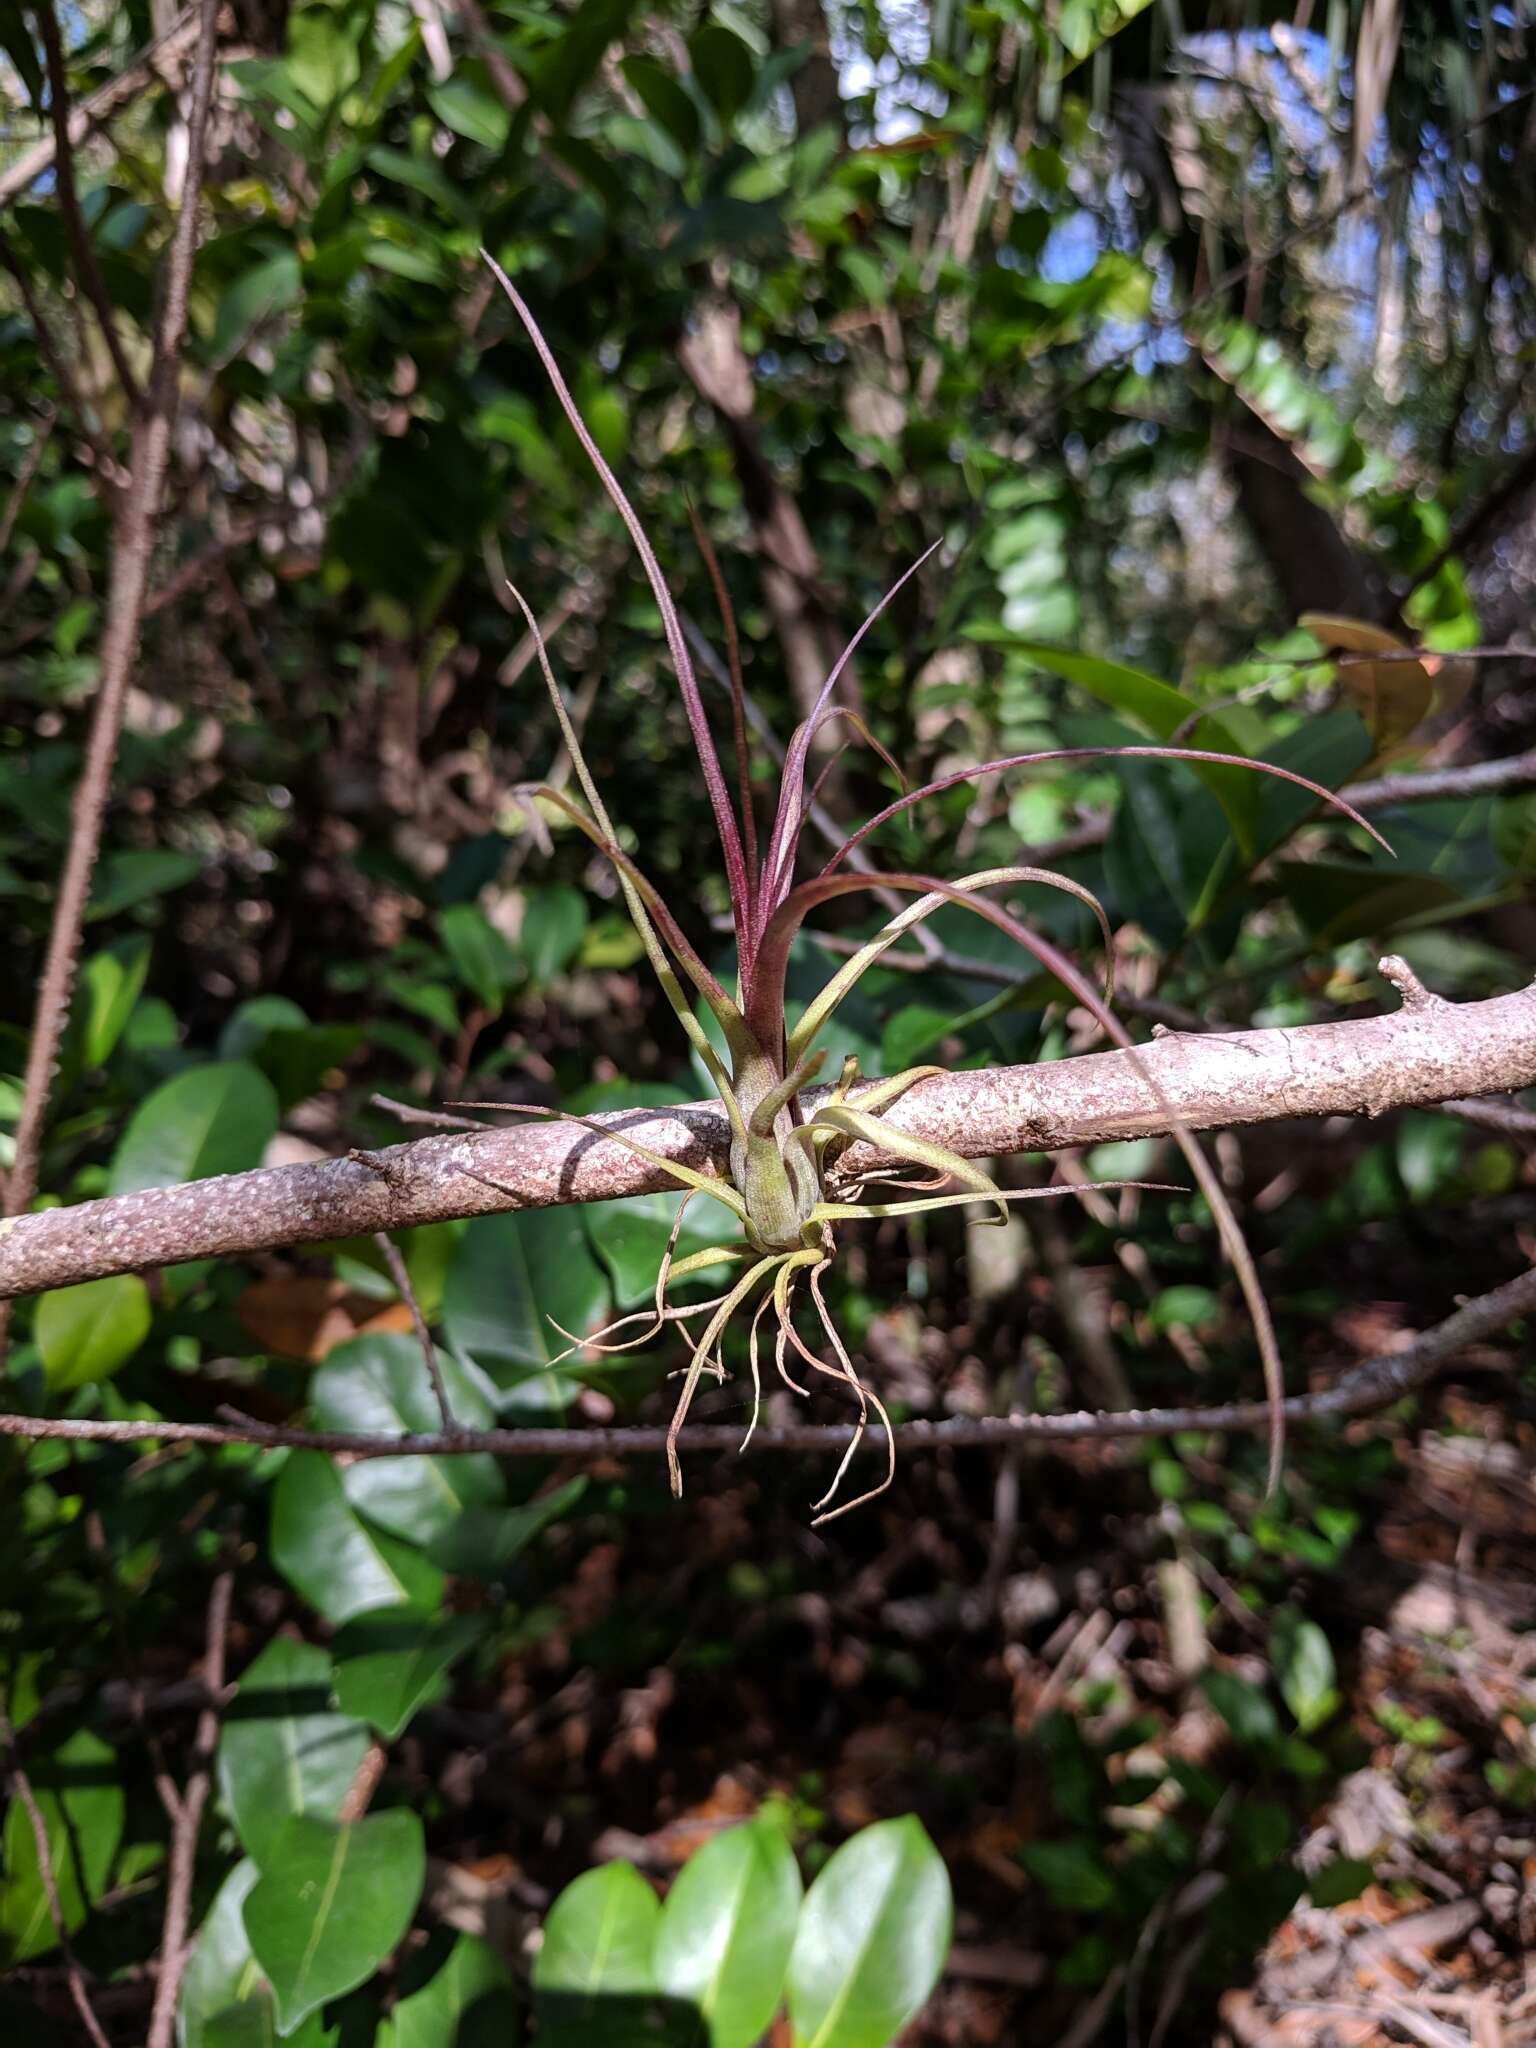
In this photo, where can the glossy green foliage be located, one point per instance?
(334, 1901)
(319, 880)
(284, 1750)
(709, 1968)
(79, 1802)
(726, 1931)
(873, 1935)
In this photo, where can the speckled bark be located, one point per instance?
(1426, 1051)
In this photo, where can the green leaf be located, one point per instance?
(283, 1749)
(1304, 1669)
(1340, 1881)
(598, 1942)
(1161, 709)
(271, 287)
(664, 99)
(86, 1333)
(1242, 1706)
(1073, 1873)
(378, 1386)
(482, 959)
(485, 1541)
(124, 879)
(873, 1935)
(722, 64)
(630, 1237)
(390, 1664)
(81, 1803)
(512, 1273)
(1337, 902)
(471, 111)
(110, 984)
(249, 1026)
(726, 1933)
(220, 1972)
(554, 922)
(325, 1552)
(333, 1902)
(466, 2002)
(208, 1120)
(225, 2001)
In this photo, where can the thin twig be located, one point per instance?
(31, 463)
(400, 1274)
(58, 366)
(81, 246)
(1376, 1383)
(144, 69)
(21, 1785)
(187, 1820)
(133, 544)
(1225, 281)
(1506, 1117)
(365, 1782)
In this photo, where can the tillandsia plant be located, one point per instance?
(783, 1192)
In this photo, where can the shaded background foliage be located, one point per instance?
(1175, 326)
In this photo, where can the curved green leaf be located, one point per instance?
(598, 1944)
(482, 959)
(726, 1933)
(378, 1386)
(872, 1939)
(326, 1553)
(333, 1902)
(208, 1120)
(85, 1333)
(509, 1276)
(225, 2001)
(466, 2002)
(553, 924)
(1161, 710)
(391, 1663)
(283, 1749)
(81, 1802)
(111, 982)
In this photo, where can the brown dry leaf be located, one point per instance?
(305, 1316)
(1393, 696)
(670, 1846)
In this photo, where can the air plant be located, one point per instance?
(783, 1193)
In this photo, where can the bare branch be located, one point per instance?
(187, 1822)
(1428, 785)
(1424, 1053)
(21, 1785)
(31, 463)
(133, 544)
(1376, 1383)
(155, 62)
(1506, 1117)
(400, 1274)
(87, 269)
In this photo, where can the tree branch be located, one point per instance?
(1375, 1383)
(1425, 1052)
(133, 544)
(187, 1821)
(147, 69)
(81, 246)
(21, 1785)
